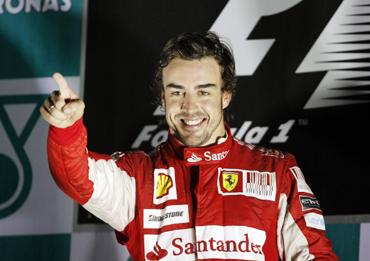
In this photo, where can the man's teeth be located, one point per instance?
(192, 122)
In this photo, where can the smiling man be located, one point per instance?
(202, 194)
(194, 100)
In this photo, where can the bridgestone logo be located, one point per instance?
(170, 215)
(165, 216)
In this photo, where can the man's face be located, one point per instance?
(193, 100)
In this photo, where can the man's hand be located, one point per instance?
(62, 108)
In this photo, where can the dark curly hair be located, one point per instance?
(195, 45)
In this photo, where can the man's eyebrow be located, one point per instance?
(200, 86)
(173, 85)
(206, 85)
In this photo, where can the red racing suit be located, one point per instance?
(229, 201)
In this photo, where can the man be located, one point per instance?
(201, 194)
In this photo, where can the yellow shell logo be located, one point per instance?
(164, 184)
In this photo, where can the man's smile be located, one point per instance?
(192, 123)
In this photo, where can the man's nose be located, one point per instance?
(188, 102)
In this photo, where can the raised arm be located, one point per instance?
(93, 180)
(63, 107)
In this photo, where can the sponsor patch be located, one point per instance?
(230, 242)
(314, 220)
(193, 157)
(301, 182)
(230, 181)
(309, 203)
(170, 245)
(157, 253)
(157, 218)
(220, 242)
(164, 185)
(251, 183)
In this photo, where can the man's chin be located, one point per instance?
(192, 141)
(193, 144)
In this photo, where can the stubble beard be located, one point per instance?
(203, 140)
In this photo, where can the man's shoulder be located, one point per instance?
(132, 162)
(135, 154)
(262, 152)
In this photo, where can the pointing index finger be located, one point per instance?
(65, 91)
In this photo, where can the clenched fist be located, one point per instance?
(62, 108)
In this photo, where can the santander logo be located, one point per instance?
(157, 254)
(194, 158)
(207, 156)
(217, 246)
(215, 156)
(207, 242)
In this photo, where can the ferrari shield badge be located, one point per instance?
(229, 180)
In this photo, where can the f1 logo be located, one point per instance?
(237, 21)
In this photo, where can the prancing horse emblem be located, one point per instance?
(229, 180)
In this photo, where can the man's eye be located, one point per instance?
(203, 93)
(176, 93)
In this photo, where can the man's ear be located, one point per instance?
(226, 99)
